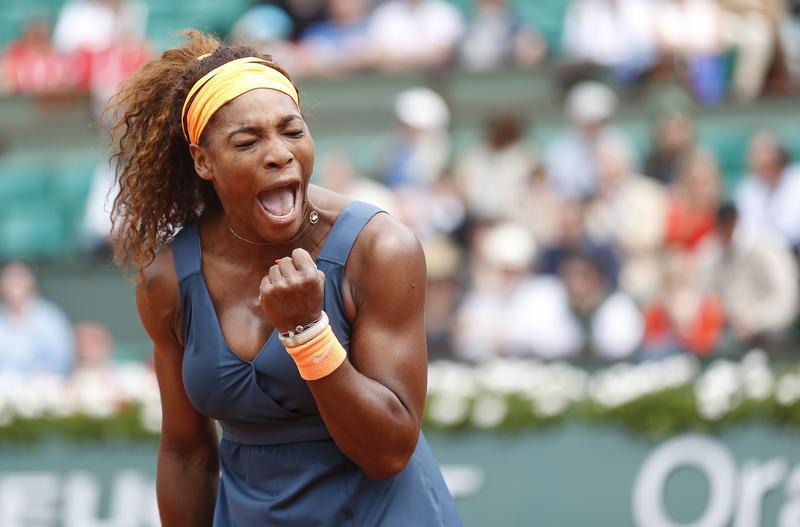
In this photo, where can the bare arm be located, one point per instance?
(188, 466)
(372, 404)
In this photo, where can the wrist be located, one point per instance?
(304, 333)
(320, 356)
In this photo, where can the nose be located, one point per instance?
(277, 155)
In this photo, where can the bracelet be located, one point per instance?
(302, 334)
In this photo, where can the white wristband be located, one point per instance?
(292, 339)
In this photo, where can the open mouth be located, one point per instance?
(279, 203)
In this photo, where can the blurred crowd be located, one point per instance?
(92, 47)
(582, 250)
(36, 337)
(577, 248)
(740, 48)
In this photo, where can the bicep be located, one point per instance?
(388, 338)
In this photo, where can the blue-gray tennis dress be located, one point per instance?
(278, 462)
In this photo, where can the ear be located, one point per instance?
(202, 162)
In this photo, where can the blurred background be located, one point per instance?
(608, 193)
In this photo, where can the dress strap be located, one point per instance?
(345, 231)
(186, 251)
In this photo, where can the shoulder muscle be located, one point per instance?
(158, 299)
(388, 259)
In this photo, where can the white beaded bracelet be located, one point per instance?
(291, 338)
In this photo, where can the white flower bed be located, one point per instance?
(96, 394)
(485, 396)
(479, 395)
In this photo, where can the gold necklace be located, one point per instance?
(313, 219)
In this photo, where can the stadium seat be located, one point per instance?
(23, 177)
(70, 186)
(34, 229)
(70, 183)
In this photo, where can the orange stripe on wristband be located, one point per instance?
(319, 357)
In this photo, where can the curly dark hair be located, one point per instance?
(159, 190)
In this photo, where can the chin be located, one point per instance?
(273, 229)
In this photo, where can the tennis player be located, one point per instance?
(284, 312)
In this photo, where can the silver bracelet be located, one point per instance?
(302, 334)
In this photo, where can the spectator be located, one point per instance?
(111, 66)
(421, 148)
(416, 163)
(751, 28)
(627, 212)
(626, 207)
(94, 347)
(94, 25)
(537, 207)
(573, 238)
(768, 198)
(303, 14)
(682, 317)
(608, 322)
(690, 31)
(414, 34)
(433, 210)
(494, 37)
(617, 35)
(491, 174)
(35, 336)
(508, 310)
(106, 43)
(96, 384)
(570, 159)
(31, 66)
(673, 144)
(790, 40)
(694, 201)
(756, 277)
(268, 28)
(338, 45)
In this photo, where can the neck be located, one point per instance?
(237, 244)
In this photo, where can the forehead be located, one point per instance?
(16, 275)
(259, 106)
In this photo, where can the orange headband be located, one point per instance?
(221, 85)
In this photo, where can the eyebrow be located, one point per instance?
(255, 129)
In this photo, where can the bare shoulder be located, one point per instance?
(385, 236)
(158, 295)
(159, 279)
(387, 245)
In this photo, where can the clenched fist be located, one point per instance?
(291, 294)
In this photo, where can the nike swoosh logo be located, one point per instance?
(319, 357)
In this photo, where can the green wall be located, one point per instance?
(568, 475)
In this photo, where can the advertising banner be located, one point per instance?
(565, 475)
